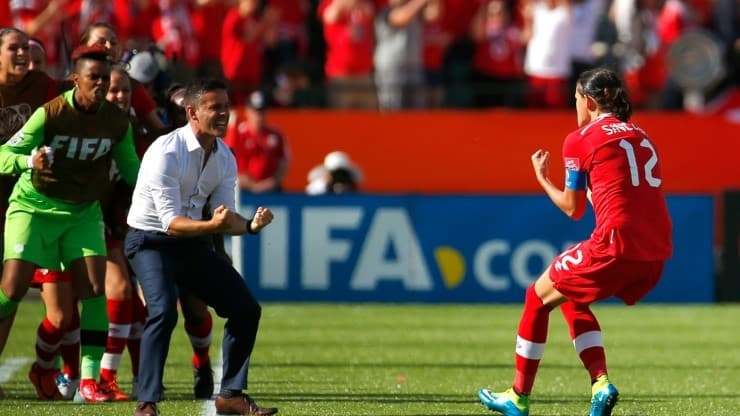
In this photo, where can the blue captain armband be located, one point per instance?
(575, 180)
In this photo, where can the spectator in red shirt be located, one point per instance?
(260, 150)
(436, 39)
(350, 42)
(291, 38)
(244, 36)
(207, 18)
(5, 17)
(42, 20)
(174, 34)
(135, 19)
(79, 14)
(499, 57)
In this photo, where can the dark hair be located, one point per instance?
(195, 89)
(605, 87)
(7, 30)
(86, 33)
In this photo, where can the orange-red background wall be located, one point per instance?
(488, 152)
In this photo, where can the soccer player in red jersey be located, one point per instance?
(614, 164)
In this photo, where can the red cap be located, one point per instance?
(95, 51)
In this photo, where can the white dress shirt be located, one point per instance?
(173, 182)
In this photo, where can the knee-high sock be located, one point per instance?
(48, 340)
(200, 338)
(134, 337)
(586, 335)
(93, 335)
(70, 347)
(530, 341)
(119, 328)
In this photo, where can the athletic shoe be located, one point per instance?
(603, 400)
(44, 380)
(115, 391)
(203, 381)
(91, 392)
(66, 386)
(507, 403)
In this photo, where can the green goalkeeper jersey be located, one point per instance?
(84, 146)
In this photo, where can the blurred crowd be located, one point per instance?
(397, 54)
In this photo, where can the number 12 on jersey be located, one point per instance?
(648, 167)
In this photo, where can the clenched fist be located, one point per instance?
(262, 217)
(541, 163)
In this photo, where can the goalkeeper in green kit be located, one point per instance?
(63, 156)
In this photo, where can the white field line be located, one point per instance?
(10, 366)
(209, 406)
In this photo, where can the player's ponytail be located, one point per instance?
(606, 88)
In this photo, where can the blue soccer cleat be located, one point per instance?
(507, 403)
(604, 399)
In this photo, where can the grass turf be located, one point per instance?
(375, 359)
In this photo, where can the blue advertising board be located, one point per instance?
(421, 248)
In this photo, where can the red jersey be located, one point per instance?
(206, 20)
(258, 153)
(133, 20)
(141, 101)
(624, 176)
(291, 25)
(501, 53)
(5, 18)
(80, 15)
(241, 59)
(173, 32)
(350, 41)
(24, 12)
(435, 45)
(458, 14)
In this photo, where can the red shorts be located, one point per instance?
(585, 279)
(41, 276)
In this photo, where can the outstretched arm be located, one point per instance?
(403, 14)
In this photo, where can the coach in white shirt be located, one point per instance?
(169, 246)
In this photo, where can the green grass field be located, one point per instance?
(342, 359)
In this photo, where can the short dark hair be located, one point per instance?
(195, 90)
(93, 53)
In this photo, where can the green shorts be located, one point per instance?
(48, 237)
